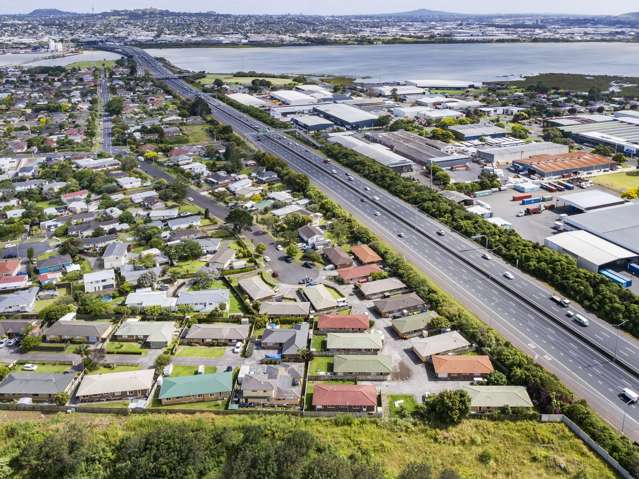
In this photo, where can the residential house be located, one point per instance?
(209, 245)
(115, 386)
(382, 288)
(445, 343)
(355, 343)
(146, 298)
(99, 281)
(10, 267)
(129, 182)
(357, 274)
(462, 368)
(362, 367)
(22, 301)
(274, 309)
(131, 273)
(154, 334)
(49, 278)
(74, 196)
(218, 334)
(184, 222)
(222, 259)
(256, 288)
(138, 198)
(399, 305)
(411, 326)
(272, 386)
(164, 214)
(320, 298)
(115, 255)
(196, 388)
(76, 330)
(344, 397)
(205, 300)
(290, 342)
(262, 175)
(494, 398)
(19, 327)
(8, 283)
(365, 254)
(37, 387)
(311, 235)
(54, 263)
(95, 244)
(337, 257)
(338, 323)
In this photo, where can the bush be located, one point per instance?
(448, 407)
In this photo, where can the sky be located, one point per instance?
(609, 7)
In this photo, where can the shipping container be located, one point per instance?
(479, 194)
(616, 278)
(547, 198)
(634, 268)
(531, 201)
(521, 197)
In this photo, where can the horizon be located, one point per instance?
(337, 8)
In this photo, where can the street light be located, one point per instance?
(476, 237)
(614, 358)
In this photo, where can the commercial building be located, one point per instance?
(248, 100)
(397, 90)
(377, 152)
(590, 251)
(555, 166)
(347, 116)
(589, 200)
(506, 155)
(620, 133)
(312, 122)
(475, 132)
(618, 225)
(115, 386)
(292, 97)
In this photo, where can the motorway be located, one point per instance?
(595, 362)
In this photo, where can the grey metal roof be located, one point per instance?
(291, 340)
(221, 331)
(15, 326)
(115, 249)
(209, 299)
(18, 300)
(55, 261)
(273, 308)
(32, 383)
(78, 328)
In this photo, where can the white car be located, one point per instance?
(238, 347)
(401, 235)
(366, 188)
(190, 198)
(521, 213)
(486, 256)
(267, 259)
(334, 171)
(377, 213)
(29, 367)
(279, 247)
(509, 275)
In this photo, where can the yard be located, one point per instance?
(619, 182)
(197, 133)
(334, 293)
(401, 404)
(114, 347)
(46, 368)
(190, 209)
(318, 342)
(43, 303)
(190, 370)
(320, 364)
(187, 268)
(204, 405)
(115, 369)
(199, 352)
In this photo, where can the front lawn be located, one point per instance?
(320, 364)
(199, 352)
(191, 370)
(115, 347)
(116, 369)
(318, 342)
(407, 405)
(46, 368)
(187, 268)
(190, 209)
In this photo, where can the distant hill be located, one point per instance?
(49, 12)
(631, 15)
(422, 13)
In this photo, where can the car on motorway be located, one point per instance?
(334, 171)
(486, 256)
(401, 235)
(350, 178)
(630, 395)
(3, 343)
(376, 198)
(377, 213)
(581, 320)
(366, 188)
(570, 314)
(509, 275)
(441, 232)
(12, 342)
(190, 198)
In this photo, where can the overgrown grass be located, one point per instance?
(196, 133)
(399, 404)
(619, 182)
(233, 80)
(199, 352)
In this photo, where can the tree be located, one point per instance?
(28, 343)
(4, 371)
(240, 219)
(52, 313)
(71, 246)
(128, 163)
(519, 131)
(292, 250)
(147, 279)
(449, 474)
(114, 105)
(604, 150)
(199, 107)
(416, 470)
(127, 217)
(218, 83)
(496, 378)
(61, 398)
(448, 407)
(260, 248)
(619, 158)
(161, 362)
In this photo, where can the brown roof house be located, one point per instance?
(365, 254)
(357, 274)
(220, 334)
(400, 305)
(345, 397)
(462, 367)
(338, 257)
(338, 323)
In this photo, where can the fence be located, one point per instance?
(612, 462)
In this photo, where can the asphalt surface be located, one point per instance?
(107, 139)
(583, 358)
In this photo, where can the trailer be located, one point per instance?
(534, 211)
(616, 278)
(567, 185)
(633, 268)
(558, 187)
(531, 201)
(549, 188)
(521, 197)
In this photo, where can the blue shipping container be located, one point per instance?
(633, 268)
(531, 201)
(617, 278)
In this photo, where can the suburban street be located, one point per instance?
(594, 362)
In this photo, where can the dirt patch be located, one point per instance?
(403, 373)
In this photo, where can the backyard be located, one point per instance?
(190, 370)
(320, 364)
(196, 134)
(115, 369)
(199, 352)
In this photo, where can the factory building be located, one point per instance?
(377, 152)
(399, 90)
(444, 84)
(439, 114)
(292, 97)
(506, 155)
(312, 122)
(347, 116)
(316, 91)
(618, 225)
(248, 100)
(620, 133)
(589, 200)
(591, 252)
(417, 149)
(557, 166)
(476, 132)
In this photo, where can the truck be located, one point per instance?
(533, 211)
(630, 395)
(521, 197)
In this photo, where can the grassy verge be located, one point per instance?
(191, 370)
(115, 369)
(233, 80)
(619, 182)
(114, 347)
(199, 352)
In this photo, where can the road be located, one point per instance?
(595, 362)
(107, 140)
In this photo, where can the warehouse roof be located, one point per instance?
(377, 152)
(116, 382)
(185, 386)
(619, 225)
(346, 113)
(498, 396)
(291, 97)
(591, 199)
(574, 160)
(530, 148)
(585, 245)
(312, 120)
(478, 130)
(249, 100)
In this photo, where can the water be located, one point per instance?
(471, 62)
(39, 59)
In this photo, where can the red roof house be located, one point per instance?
(337, 323)
(345, 397)
(9, 267)
(358, 274)
(365, 254)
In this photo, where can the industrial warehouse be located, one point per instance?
(589, 200)
(506, 155)
(562, 165)
(347, 116)
(377, 152)
(620, 132)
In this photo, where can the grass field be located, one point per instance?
(191, 370)
(408, 404)
(116, 369)
(197, 133)
(519, 449)
(114, 347)
(187, 268)
(92, 64)
(619, 182)
(46, 368)
(199, 352)
(321, 364)
(233, 80)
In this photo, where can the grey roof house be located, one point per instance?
(289, 341)
(77, 330)
(216, 333)
(205, 300)
(19, 301)
(38, 387)
(156, 334)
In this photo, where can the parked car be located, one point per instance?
(238, 347)
(228, 369)
(267, 259)
(279, 247)
(29, 367)
(307, 264)
(3, 343)
(288, 259)
(12, 342)
(200, 369)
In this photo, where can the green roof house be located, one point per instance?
(411, 326)
(491, 398)
(196, 388)
(362, 366)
